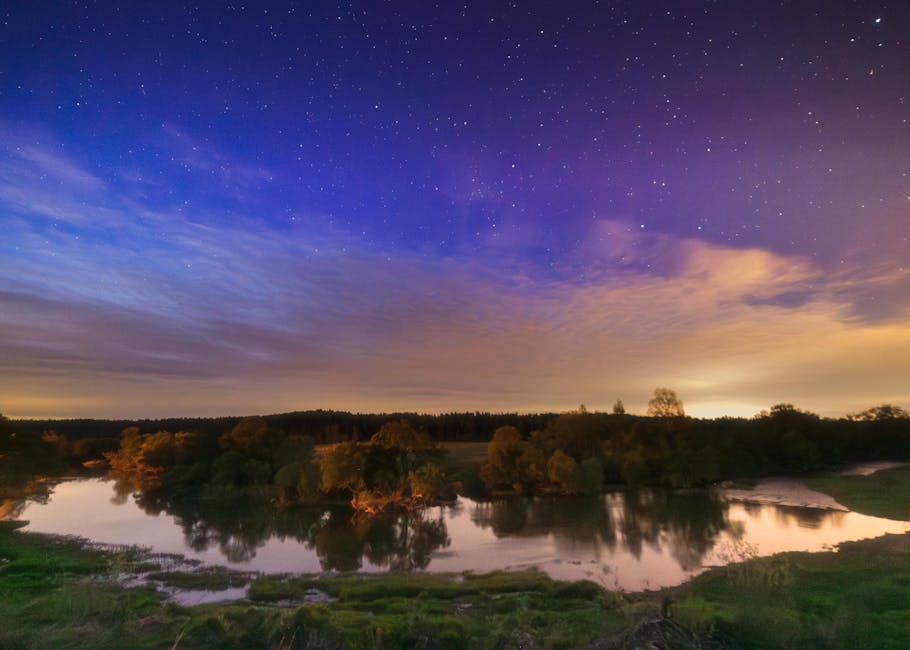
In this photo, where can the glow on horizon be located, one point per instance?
(451, 227)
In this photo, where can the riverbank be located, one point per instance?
(783, 492)
(59, 593)
(882, 493)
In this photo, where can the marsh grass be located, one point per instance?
(56, 593)
(59, 594)
(422, 610)
(204, 578)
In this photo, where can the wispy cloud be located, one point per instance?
(237, 177)
(176, 312)
(38, 179)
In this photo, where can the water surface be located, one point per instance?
(630, 540)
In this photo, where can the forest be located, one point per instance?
(378, 461)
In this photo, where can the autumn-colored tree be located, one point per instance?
(665, 404)
(343, 468)
(563, 473)
(502, 469)
(143, 459)
(426, 483)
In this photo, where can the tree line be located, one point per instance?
(375, 459)
(323, 426)
(578, 452)
(399, 466)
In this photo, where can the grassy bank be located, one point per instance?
(58, 594)
(885, 493)
(858, 597)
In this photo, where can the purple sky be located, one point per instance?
(494, 206)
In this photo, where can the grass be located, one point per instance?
(858, 597)
(500, 609)
(465, 453)
(205, 578)
(57, 593)
(885, 493)
(463, 463)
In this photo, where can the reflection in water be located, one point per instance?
(238, 527)
(630, 540)
(15, 496)
(685, 525)
(805, 517)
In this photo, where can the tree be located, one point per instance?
(591, 473)
(288, 479)
(576, 434)
(563, 472)
(782, 409)
(234, 469)
(883, 412)
(619, 408)
(426, 483)
(343, 467)
(502, 468)
(665, 404)
(401, 436)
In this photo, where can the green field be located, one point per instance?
(885, 493)
(465, 453)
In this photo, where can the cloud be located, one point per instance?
(37, 179)
(184, 312)
(236, 177)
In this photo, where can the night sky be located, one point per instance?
(486, 206)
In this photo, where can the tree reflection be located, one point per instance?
(18, 492)
(239, 526)
(402, 542)
(806, 517)
(685, 525)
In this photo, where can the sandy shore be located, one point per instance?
(784, 492)
(864, 469)
(793, 492)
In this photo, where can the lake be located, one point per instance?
(634, 540)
